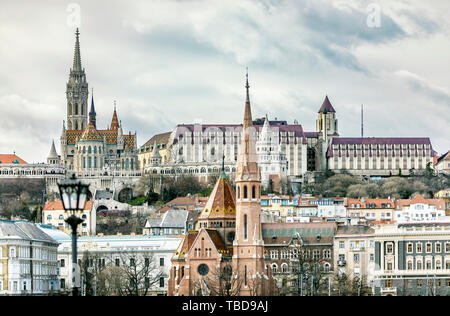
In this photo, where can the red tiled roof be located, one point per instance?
(58, 206)
(364, 203)
(438, 203)
(6, 159)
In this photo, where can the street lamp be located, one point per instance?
(73, 195)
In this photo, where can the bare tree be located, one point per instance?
(351, 285)
(224, 283)
(308, 274)
(140, 274)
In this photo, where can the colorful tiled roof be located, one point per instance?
(91, 134)
(110, 135)
(221, 202)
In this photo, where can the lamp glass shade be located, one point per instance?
(73, 194)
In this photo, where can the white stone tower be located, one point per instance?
(77, 92)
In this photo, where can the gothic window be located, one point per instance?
(76, 109)
(89, 150)
(239, 192)
(95, 162)
(95, 149)
(253, 192)
(89, 162)
(69, 110)
(245, 192)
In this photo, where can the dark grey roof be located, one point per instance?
(23, 230)
(172, 218)
(354, 230)
(175, 218)
(103, 194)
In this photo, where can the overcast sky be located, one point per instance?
(172, 62)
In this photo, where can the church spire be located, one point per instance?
(77, 92)
(92, 114)
(247, 164)
(248, 112)
(115, 120)
(77, 55)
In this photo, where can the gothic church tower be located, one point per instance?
(77, 92)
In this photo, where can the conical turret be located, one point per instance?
(53, 157)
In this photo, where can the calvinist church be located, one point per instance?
(226, 255)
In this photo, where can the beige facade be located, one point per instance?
(53, 214)
(380, 156)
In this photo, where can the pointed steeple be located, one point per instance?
(326, 106)
(223, 174)
(92, 114)
(77, 55)
(248, 112)
(77, 92)
(247, 164)
(115, 121)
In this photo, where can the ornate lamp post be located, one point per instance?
(73, 195)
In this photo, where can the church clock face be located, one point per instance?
(203, 269)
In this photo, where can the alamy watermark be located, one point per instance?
(374, 15)
(74, 16)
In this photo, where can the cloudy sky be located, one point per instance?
(171, 62)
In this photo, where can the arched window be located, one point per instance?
(284, 268)
(245, 192)
(253, 192)
(245, 226)
(239, 191)
(89, 150)
(89, 163)
(95, 162)
(95, 149)
(274, 268)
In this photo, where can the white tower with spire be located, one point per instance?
(53, 158)
(271, 159)
(77, 92)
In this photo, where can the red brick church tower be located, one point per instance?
(226, 256)
(248, 246)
